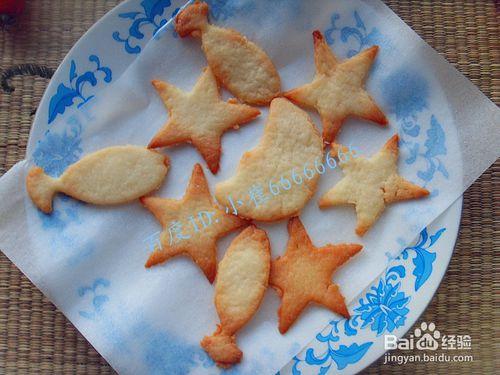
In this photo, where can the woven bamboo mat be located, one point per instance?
(36, 338)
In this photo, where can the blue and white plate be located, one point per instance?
(390, 305)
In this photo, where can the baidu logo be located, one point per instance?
(427, 337)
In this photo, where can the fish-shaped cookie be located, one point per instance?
(241, 282)
(276, 178)
(239, 64)
(110, 176)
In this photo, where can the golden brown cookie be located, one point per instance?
(199, 117)
(113, 175)
(239, 64)
(370, 184)
(239, 288)
(277, 178)
(303, 275)
(337, 90)
(191, 226)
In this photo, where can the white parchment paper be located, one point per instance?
(90, 260)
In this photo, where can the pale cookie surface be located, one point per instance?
(370, 184)
(239, 64)
(290, 142)
(303, 275)
(337, 90)
(241, 282)
(199, 117)
(111, 176)
(180, 235)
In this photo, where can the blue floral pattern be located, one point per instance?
(55, 152)
(152, 16)
(358, 33)
(221, 10)
(63, 243)
(98, 298)
(434, 147)
(407, 93)
(61, 217)
(342, 356)
(406, 96)
(383, 308)
(166, 354)
(423, 259)
(160, 351)
(66, 94)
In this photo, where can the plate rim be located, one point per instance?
(433, 288)
(94, 29)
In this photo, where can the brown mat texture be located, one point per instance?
(36, 338)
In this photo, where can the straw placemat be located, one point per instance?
(36, 338)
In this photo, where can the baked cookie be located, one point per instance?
(303, 275)
(337, 90)
(199, 117)
(112, 175)
(277, 178)
(239, 288)
(239, 64)
(191, 226)
(370, 184)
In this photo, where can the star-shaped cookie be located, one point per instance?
(370, 184)
(303, 275)
(191, 226)
(199, 117)
(337, 90)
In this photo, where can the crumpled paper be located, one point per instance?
(90, 260)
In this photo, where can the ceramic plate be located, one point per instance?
(390, 305)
